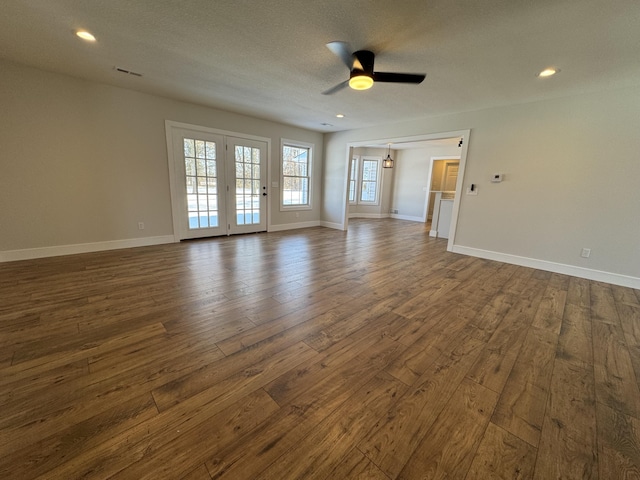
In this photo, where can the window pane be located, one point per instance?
(201, 166)
(211, 168)
(210, 150)
(199, 149)
(189, 148)
(212, 186)
(201, 183)
(369, 185)
(190, 166)
(191, 185)
(192, 203)
(296, 168)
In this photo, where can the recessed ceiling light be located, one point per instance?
(340, 115)
(547, 72)
(83, 34)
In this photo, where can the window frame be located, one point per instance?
(378, 160)
(309, 147)
(354, 163)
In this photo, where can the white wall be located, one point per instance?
(83, 163)
(411, 177)
(571, 169)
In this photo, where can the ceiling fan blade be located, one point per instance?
(398, 77)
(343, 51)
(337, 88)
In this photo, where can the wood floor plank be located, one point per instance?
(298, 418)
(625, 295)
(495, 362)
(551, 310)
(397, 434)
(603, 305)
(198, 473)
(178, 456)
(502, 456)
(575, 343)
(578, 292)
(341, 363)
(568, 444)
(333, 438)
(81, 346)
(450, 445)
(42, 380)
(521, 407)
(84, 397)
(228, 381)
(335, 332)
(50, 452)
(492, 315)
(618, 444)
(357, 467)
(124, 449)
(320, 315)
(314, 353)
(615, 378)
(629, 315)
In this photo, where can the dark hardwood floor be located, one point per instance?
(314, 354)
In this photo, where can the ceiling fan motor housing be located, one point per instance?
(362, 63)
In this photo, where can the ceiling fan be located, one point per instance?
(361, 75)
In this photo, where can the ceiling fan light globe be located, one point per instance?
(361, 82)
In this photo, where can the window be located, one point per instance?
(296, 175)
(353, 179)
(369, 183)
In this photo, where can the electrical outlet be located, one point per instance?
(140, 225)
(585, 252)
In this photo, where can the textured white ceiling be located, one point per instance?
(268, 58)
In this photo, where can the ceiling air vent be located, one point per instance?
(128, 72)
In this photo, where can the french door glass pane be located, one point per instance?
(201, 183)
(247, 168)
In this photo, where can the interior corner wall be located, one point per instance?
(83, 162)
(571, 167)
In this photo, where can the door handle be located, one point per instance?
(264, 194)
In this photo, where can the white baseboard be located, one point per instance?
(292, 226)
(433, 233)
(407, 217)
(368, 215)
(589, 274)
(58, 250)
(336, 226)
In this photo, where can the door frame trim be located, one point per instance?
(170, 127)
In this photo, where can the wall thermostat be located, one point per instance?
(497, 177)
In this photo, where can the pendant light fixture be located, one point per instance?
(388, 162)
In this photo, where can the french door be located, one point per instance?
(218, 184)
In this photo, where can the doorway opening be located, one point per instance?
(408, 183)
(442, 180)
